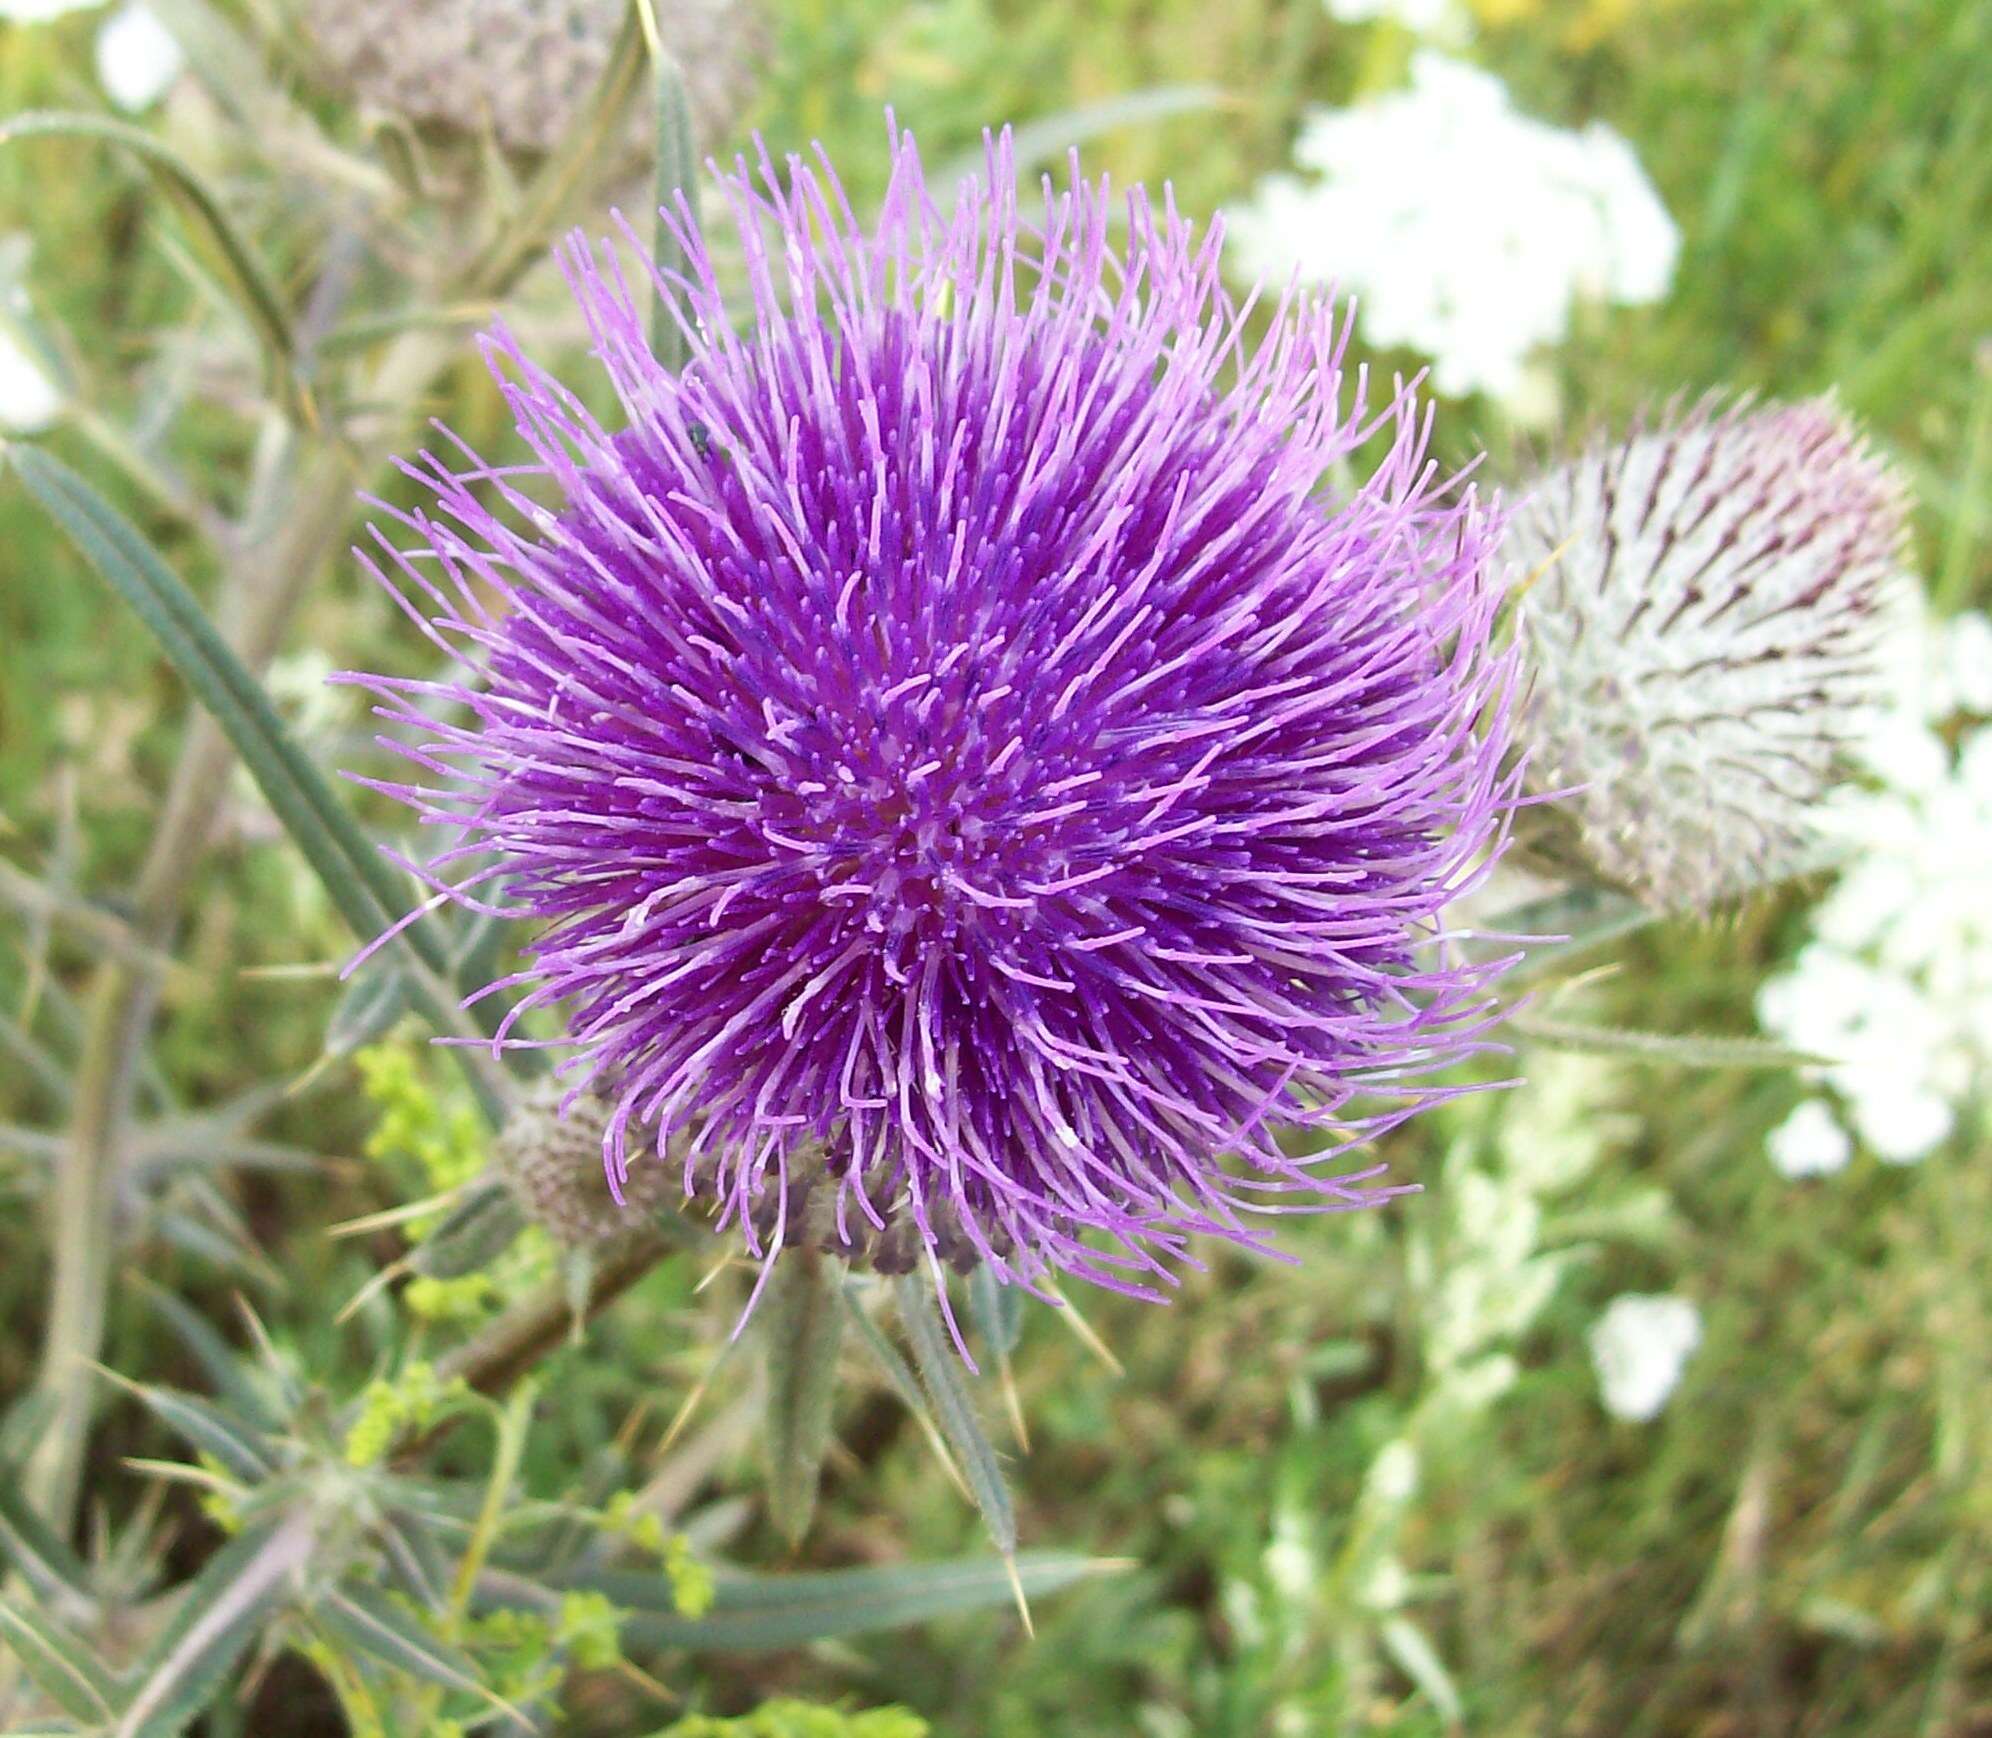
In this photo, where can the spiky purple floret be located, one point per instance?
(950, 745)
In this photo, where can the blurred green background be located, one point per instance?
(1800, 1544)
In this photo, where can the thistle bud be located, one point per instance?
(1699, 613)
(553, 1165)
(525, 69)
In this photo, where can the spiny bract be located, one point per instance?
(957, 757)
(1698, 625)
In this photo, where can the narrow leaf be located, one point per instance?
(255, 292)
(46, 1562)
(677, 171)
(365, 890)
(801, 1323)
(1555, 930)
(380, 1629)
(59, 1664)
(377, 997)
(940, 1374)
(1689, 1050)
(1052, 136)
(478, 1229)
(904, 1383)
(204, 1426)
(758, 1612)
(573, 162)
(997, 1310)
(219, 1615)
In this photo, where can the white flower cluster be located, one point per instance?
(137, 56)
(1464, 228)
(1440, 20)
(1896, 984)
(1639, 1347)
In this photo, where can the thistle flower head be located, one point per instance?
(960, 762)
(1698, 620)
(523, 69)
(549, 1155)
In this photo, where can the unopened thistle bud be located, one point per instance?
(525, 69)
(1699, 612)
(553, 1165)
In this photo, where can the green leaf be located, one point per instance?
(1555, 930)
(904, 1383)
(997, 1311)
(1688, 1050)
(939, 1364)
(370, 1004)
(753, 1613)
(59, 1663)
(220, 1613)
(255, 292)
(390, 1633)
(677, 168)
(47, 1563)
(477, 1230)
(204, 1426)
(366, 891)
(801, 1324)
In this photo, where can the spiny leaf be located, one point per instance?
(940, 1374)
(801, 1323)
(220, 1614)
(57, 1661)
(478, 1229)
(235, 1442)
(48, 1564)
(384, 1631)
(1688, 1049)
(758, 1612)
(361, 885)
(1554, 930)
(904, 1383)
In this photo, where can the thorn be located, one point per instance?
(391, 1216)
(725, 1261)
(1017, 1588)
(1087, 1337)
(677, 1425)
(309, 1077)
(1013, 1402)
(379, 1283)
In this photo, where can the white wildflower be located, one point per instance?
(1895, 988)
(138, 58)
(1809, 1143)
(29, 400)
(1640, 1346)
(1464, 228)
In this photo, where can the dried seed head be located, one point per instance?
(553, 1165)
(526, 68)
(1699, 613)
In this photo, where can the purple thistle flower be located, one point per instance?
(974, 787)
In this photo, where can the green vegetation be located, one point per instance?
(1332, 1502)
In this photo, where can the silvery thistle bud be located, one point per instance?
(525, 69)
(1699, 610)
(552, 1163)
